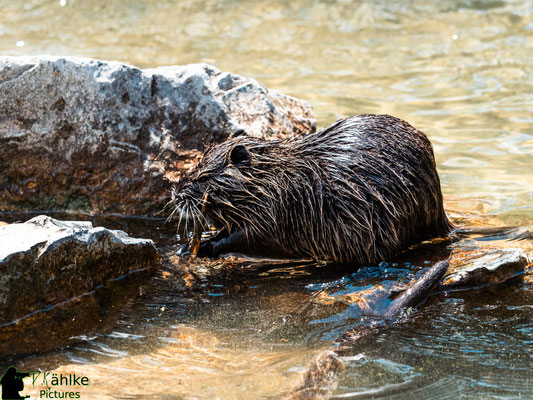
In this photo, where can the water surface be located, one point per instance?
(462, 71)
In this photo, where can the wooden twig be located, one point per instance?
(198, 229)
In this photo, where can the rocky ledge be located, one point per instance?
(478, 268)
(82, 134)
(52, 274)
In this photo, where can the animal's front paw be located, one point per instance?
(207, 249)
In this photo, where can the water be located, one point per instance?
(461, 71)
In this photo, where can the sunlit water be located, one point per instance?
(462, 71)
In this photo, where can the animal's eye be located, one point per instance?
(239, 155)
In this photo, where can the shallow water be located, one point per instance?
(238, 331)
(462, 71)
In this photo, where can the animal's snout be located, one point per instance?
(186, 190)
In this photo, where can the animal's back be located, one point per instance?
(378, 186)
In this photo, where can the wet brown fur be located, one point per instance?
(360, 191)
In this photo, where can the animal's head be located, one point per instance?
(226, 173)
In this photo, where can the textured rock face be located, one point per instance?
(49, 271)
(81, 134)
(45, 262)
(477, 268)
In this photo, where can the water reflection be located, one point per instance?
(457, 346)
(65, 323)
(233, 329)
(460, 71)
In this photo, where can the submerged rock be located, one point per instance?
(50, 271)
(82, 134)
(480, 268)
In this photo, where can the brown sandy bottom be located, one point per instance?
(194, 365)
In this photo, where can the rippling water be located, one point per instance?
(462, 71)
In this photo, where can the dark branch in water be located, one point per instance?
(417, 292)
(320, 379)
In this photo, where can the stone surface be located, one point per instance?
(49, 272)
(482, 267)
(82, 134)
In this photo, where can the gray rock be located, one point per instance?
(43, 254)
(480, 268)
(82, 134)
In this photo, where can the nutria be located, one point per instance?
(359, 191)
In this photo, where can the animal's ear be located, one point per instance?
(239, 156)
(238, 132)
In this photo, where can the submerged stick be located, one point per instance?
(198, 229)
(418, 291)
(320, 379)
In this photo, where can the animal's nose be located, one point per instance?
(179, 185)
(178, 191)
(184, 189)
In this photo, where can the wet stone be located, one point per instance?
(480, 268)
(86, 135)
(61, 279)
